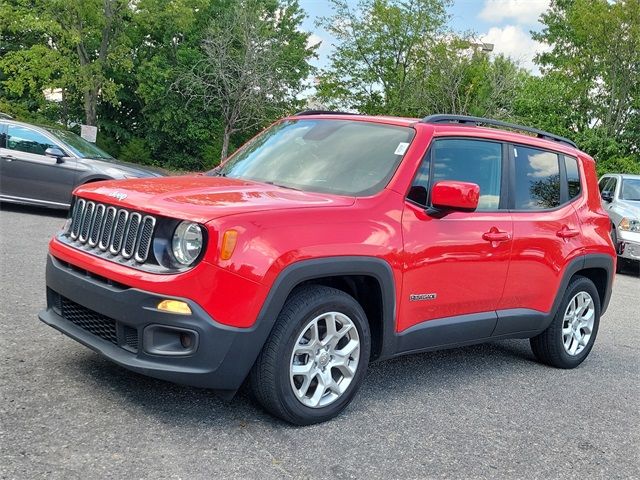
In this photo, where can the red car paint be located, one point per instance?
(475, 261)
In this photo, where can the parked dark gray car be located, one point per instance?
(42, 166)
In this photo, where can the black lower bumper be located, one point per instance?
(123, 323)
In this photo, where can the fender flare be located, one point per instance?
(245, 352)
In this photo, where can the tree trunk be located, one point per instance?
(225, 143)
(91, 106)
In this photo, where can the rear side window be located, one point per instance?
(537, 179)
(472, 161)
(27, 140)
(573, 177)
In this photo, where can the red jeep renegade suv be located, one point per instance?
(332, 240)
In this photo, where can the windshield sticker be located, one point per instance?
(402, 147)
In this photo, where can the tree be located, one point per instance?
(254, 62)
(595, 60)
(372, 68)
(66, 44)
(396, 58)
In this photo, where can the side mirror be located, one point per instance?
(455, 196)
(607, 196)
(56, 153)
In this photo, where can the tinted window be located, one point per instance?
(603, 183)
(420, 186)
(27, 140)
(537, 179)
(79, 145)
(630, 189)
(573, 177)
(334, 156)
(472, 161)
(611, 185)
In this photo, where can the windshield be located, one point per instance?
(79, 145)
(630, 189)
(330, 156)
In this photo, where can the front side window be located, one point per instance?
(26, 140)
(343, 157)
(630, 189)
(603, 183)
(537, 179)
(79, 145)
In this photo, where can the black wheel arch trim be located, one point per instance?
(315, 269)
(434, 334)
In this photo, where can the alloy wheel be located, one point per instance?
(577, 325)
(324, 360)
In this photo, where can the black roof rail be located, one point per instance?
(475, 121)
(322, 112)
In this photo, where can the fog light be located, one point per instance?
(174, 306)
(186, 340)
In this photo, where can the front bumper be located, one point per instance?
(628, 245)
(121, 324)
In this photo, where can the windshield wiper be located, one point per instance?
(282, 186)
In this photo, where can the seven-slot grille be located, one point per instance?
(118, 231)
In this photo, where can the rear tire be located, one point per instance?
(566, 343)
(306, 374)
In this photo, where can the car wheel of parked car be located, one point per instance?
(314, 361)
(569, 338)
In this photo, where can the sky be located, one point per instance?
(504, 23)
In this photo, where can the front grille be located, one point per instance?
(93, 322)
(106, 228)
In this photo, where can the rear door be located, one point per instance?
(27, 173)
(546, 229)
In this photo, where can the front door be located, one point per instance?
(27, 173)
(457, 265)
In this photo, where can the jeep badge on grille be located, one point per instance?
(119, 195)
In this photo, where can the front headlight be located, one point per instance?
(187, 242)
(629, 225)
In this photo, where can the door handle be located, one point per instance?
(8, 158)
(567, 232)
(495, 235)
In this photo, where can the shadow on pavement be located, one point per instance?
(33, 210)
(386, 382)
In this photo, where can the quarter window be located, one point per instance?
(537, 176)
(27, 140)
(573, 177)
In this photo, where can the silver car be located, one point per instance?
(621, 199)
(41, 165)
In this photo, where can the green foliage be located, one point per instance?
(396, 57)
(117, 66)
(136, 150)
(590, 89)
(125, 68)
(618, 165)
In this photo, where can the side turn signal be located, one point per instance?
(229, 240)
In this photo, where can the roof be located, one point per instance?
(461, 125)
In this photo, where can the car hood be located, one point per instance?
(117, 168)
(627, 208)
(202, 198)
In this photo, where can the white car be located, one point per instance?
(620, 195)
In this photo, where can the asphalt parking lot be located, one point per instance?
(482, 411)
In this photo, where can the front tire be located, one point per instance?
(316, 357)
(566, 343)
